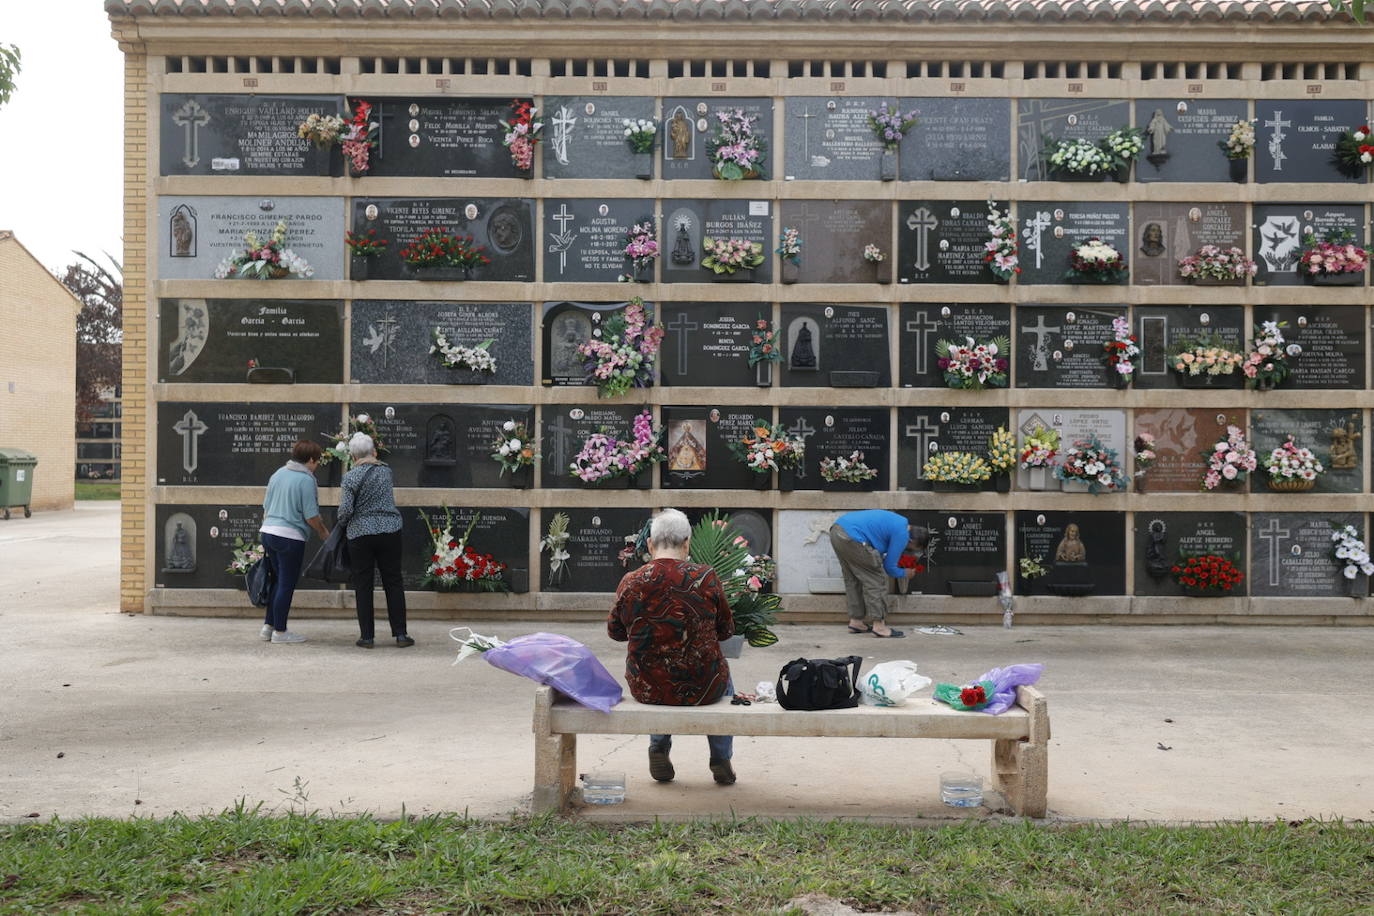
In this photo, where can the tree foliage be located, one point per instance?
(1354, 7)
(9, 69)
(99, 328)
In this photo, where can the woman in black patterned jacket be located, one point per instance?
(368, 507)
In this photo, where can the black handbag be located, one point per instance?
(820, 683)
(331, 561)
(259, 581)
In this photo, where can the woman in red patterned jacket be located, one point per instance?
(673, 614)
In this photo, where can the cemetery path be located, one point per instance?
(110, 714)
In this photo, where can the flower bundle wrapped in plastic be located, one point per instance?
(269, 260)
(1267, 362)
(1231, 459)
(623, 357)
(547, 658)
(1350, 552)
(1039, 448)
(458, 356)
(993, 693)
(1001, 251)
(847, 470)
(1089, 461)
(973, 366)
(956, 467)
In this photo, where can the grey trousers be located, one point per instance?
(866, 582)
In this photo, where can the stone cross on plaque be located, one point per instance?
(806, 117)
(562, 132)
(1035, 227)
(1276, 139)
(562, 444)
(562, 239)
(923, 223)
(1041, 351)
(925, 436)
(681, 327)
(192, 117)
(923, 328)
(805, 431)
(190, 429)
(1275, 534)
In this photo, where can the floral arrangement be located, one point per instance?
(1089, 461)
(625, 354)
(556, 543)
(1231, 459)
(1039, 448)
(1124, 144)
(890, 125)
(736, 152)
(269, 260)
(873, 254)
(437, 248)
(1083, 157)
(1122, 349)
(338, 449)
(247, 554)
(1001, 255)
(1349, 552)
(758, 571)
(956, 467)
(641, 248)
(770, 448)
(847, 470)
(1289, 462)
(323, 131)
(974, 366)
(636, 546)
(1094, 261)
(1334, 253)
(725, 256)
(1267, 362)
(452, 562)
(359, 137)
(1001, 450)
(456, 356)
(907, 561)
(789, 245)
(1353, 149)
(523, 133)
(1241, 143)
(1205, 355)
(1207, 571)
(1145, 454)
(365, 246)
(514, 447)
(1032, 567)
(763, 345)
(604, 457)
(640, 134)
(1214, 263)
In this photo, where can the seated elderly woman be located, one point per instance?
(673, 613)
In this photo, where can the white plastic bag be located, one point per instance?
(890, 683)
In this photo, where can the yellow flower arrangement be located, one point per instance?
(1002, 450)
(957, 467)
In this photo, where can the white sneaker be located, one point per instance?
(266, 632)
(287, 636)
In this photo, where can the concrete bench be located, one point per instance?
(1020, 736)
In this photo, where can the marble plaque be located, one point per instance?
(686, 224)
(391, 341)
(500, 531)
(1336, 438)
(584, 136)
(1084, 552)
(584, 240)
(970, 552)
(1184, 438)
(1039, 121)
(225, 340)
(566, 428)
(806, 561)
(924, 325)
(706, 344)
(828, 139)
(844, 346)
(1162, 539)
(1058, 347)
(1293, 554)
(1332, 338)
(1191, 130)
(504, 227)
(836, 432)
(242, 134)
(220, 445)
(1295, 139)
(1161, 328)
(1278, 231)
(1167, 233)
(963, 139)
(943, 241)
(1051, 230)
(1109, 426)
(442, 138)
(196, 233)
(688, 123)
(597, 537)
(698, 443)
(568, 325)
(834, 234)
(208, 543)
(444, 445)
(924, 431)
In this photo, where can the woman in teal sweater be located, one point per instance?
(289, 511)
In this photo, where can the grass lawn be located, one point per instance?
(97, 489)
(243, 862)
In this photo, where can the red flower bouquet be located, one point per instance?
(1207, 572)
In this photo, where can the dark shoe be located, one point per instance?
(895, 634)
(404, 641)
(660, 767)
(723, 772)
(364, 644)
(861, 629)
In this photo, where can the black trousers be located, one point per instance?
(382, 552)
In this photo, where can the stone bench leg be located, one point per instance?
(1020, 768)
(555, 759)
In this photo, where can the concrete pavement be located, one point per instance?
(110, 714)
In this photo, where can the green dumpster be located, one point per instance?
(16, 480)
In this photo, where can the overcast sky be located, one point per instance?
(61, 160)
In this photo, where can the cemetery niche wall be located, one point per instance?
(934, 305)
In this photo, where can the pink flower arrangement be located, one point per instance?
(1213, 263)
(522, 133)
(1337, 253)
(359, 137)
(1122, 349)
(736, 151)
(1266, 364)
(624, 354)
(1230, 460)
(641, 248)
(973, 366)
(1288, 461)
(604, 457)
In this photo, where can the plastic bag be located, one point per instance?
(966, 697)
(766, 692)
(548, 658)
(999, 684)
(890, 683)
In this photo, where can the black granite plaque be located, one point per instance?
(206, 541)
(503, 226)
(1051, 230)
(584, 240)
(216, 445)
(585, 136)
(1295, 139)
(970, 552)
(837, 346)
(686, 224)
(828, 139)
(707, 344)
(688, 123)
(229, 340)
(924, 431)
(1039, 121)
(597, 536)
(698, 443)
(837, 432)
(960, 139)
(1332, 338)
(924, 325)
(567, 325)
(1336, 438)
(943, 241)
(391, 340)
(834, 234)
(1279, 230)
(1294, 554)
(1084, 553)
(1162, 539)
(1167, 233)
(501, 532)
(242, 134)
(442, 137)
(1162, 328)
(444, 445)
(1182, 136)
(566, 428)
(1058, 347)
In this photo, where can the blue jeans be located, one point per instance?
(722, 746)
(284, 558)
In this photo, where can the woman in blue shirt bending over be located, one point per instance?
(868, 545)
(289, 511)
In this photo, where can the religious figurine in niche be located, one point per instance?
(505, 230)
(1071, 548)
(683, 254)
(685, 449)
(440, 447)
(803, 354)
(183, 233)
(680, 133)
(1343, 454)
(1156, 559)
(180, 556)
(565, 358)
(1158, 130)
(1152, 240)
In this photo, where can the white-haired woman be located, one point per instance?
(368, 507)
(673, 613)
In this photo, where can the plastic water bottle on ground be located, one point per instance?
(603, 788)
(961, 790)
